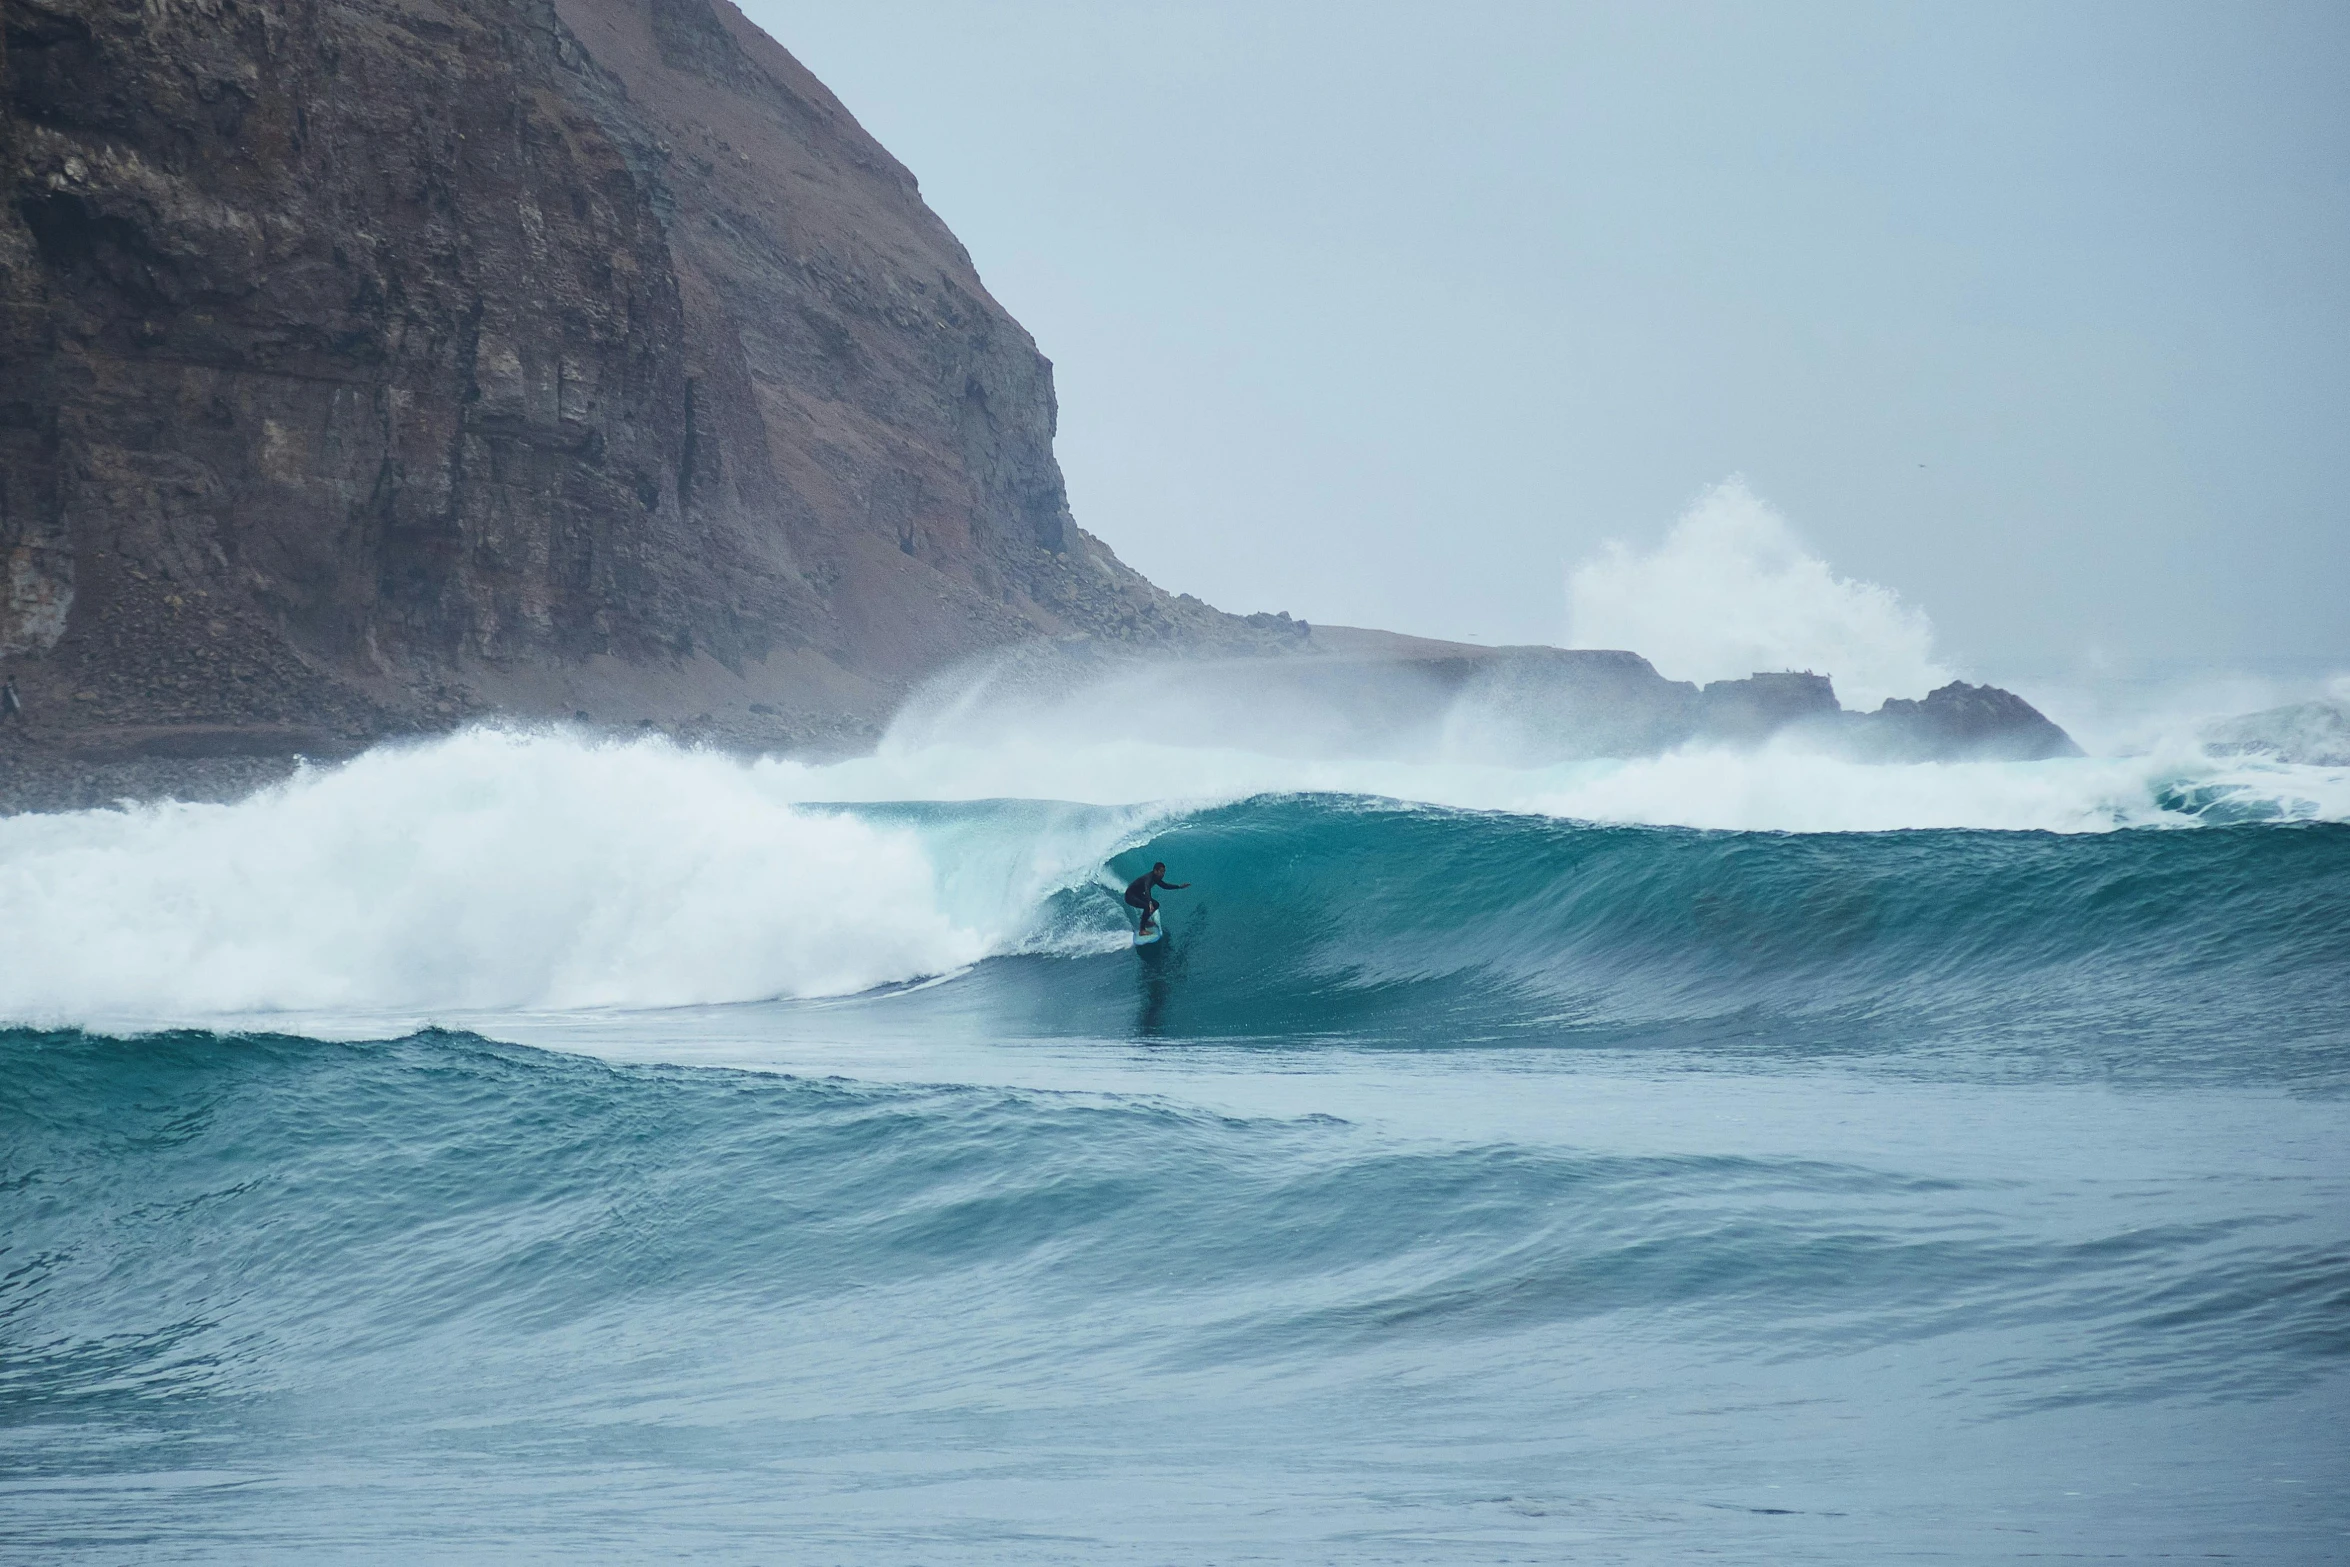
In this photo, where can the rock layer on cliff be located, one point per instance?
(371, 363)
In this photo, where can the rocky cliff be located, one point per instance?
(366, 364)
(369, 365)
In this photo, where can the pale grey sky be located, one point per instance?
(2037, 314)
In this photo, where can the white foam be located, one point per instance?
(1732, 591)
(484, 871)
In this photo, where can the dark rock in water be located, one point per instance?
(1763, 704)
(1539, 704)
(1564, 703)
(1352, 691)
(1573, 703)
(1959, 721)
(365, 368)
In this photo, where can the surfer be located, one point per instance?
(1138, 894)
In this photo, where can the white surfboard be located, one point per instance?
(1145, 938)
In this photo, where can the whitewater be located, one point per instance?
(532, 1145)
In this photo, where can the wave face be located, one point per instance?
(523, 1149)
(438, 1298)
(1375, 922)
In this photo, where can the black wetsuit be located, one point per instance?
(1138, 894)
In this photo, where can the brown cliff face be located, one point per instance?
(367, 363)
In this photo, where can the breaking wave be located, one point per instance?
(499, 870)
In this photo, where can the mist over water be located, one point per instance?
(530, 1145)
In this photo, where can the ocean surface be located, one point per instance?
(528, 1148)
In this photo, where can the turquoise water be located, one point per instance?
(1451, 1186)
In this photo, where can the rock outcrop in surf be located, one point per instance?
(1351, 691)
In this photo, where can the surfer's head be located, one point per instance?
(1159, 865)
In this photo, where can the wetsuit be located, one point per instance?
(1138, 894)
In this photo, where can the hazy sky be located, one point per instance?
(2038, 315)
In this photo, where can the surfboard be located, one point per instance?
(1145, 938)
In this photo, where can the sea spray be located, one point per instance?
(486, 870)
(1732, 589)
